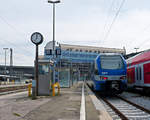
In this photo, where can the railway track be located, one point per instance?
(12, 88)
(120, 108)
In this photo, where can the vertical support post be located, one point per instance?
(53, 29)
(29, 90)
(54, 42)
(36, 71)
(5, 62)
(11, 63)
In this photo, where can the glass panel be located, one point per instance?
(64, 78)
(43, 69)
(111, 62)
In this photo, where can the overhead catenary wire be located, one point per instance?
(15, 46)
(107, 17)
(113, 21)
(146, 40)
(16, 30)
(11, 26)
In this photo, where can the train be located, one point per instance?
(138, 71)
(109, 77)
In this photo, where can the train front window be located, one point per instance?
(111, 62)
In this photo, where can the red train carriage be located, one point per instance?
(138, 71)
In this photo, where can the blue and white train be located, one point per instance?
(109, 73)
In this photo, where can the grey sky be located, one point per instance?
(77, 22)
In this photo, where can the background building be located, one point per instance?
(72, 62)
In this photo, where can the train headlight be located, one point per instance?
(99, 78)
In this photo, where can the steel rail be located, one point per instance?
(122, 116)
(136, 105)
(12, 88)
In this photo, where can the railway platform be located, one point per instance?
(69, 105)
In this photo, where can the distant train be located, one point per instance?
(109, 74)
(138, 71)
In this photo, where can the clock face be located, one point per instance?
(36, 38)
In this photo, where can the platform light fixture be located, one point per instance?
(50, 1)
(53, 2)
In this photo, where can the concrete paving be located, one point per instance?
(65, 106)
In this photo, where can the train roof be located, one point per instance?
(139, 58)
(107, 54)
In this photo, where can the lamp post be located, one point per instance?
(53, 2)
(5, 59)
(136, 49)
(11, 63)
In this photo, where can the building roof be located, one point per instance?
(85, 48)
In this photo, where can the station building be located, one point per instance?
(72, 62)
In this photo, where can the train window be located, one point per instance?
(140, 77)
(137, 77)
(111, 62)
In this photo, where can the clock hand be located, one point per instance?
(36, 36)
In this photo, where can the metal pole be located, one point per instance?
(5, 58)
(54, 42)
(11, 63)
(5, 61)
(36, 71)
(53, 28)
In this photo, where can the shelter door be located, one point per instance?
(44, 79)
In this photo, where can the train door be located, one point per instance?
(139, 75)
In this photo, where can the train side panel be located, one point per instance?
(131, 75)
(146, 73)
(138, 71)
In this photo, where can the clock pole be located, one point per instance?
(37, 39)
(36, 70)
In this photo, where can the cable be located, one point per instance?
(20, 32)
(12, 27)
(108, 15)
(11, 43)
(117, 13)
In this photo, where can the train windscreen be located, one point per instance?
(111, 62)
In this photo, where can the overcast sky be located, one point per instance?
(80, 22)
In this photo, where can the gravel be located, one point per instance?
(137, 99)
